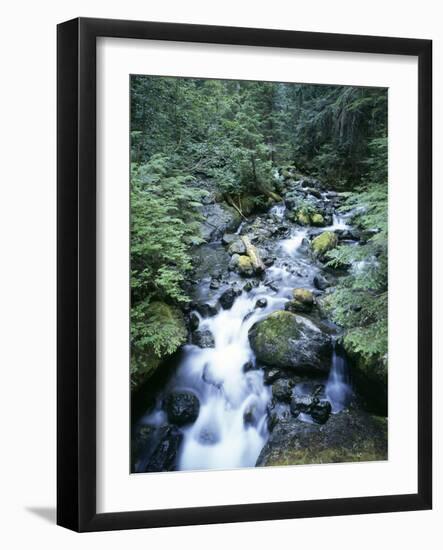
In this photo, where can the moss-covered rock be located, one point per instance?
(317, 219)
(242, 264)
(323, 243)
(349, 436)
(144, 360)
(245, 267)
(302, 302)
(303, 295)
(303, 217)
(290, 341)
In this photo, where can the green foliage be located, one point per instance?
(230, 137)
(360, 303)
(164, 224)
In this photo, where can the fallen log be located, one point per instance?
(254, 256)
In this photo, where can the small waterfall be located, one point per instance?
(291, 245)
(231, 428)
(338, 223)
(278, 211)
(338, 388)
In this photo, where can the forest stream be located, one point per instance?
(241, 392)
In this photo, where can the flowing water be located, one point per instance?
(231, 428)
(338, 388)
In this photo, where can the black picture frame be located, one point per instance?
(76, 266)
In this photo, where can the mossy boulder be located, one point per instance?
(144, 360)
(302, 302)
(317, 219)
(323, 243)
(303, 295)
(303, 218)
(290, 341)
(242, 265)
(349, 436)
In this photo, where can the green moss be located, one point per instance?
(348, 437)
(278, 328)
(323, 243)
(365, 453)
(149, 349)
(303, 217)
(303, 295)
(317, 219)
(244, 265)
(303, 301)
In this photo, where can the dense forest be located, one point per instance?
(244, 148)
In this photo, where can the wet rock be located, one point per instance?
(218, 219)
(242, 264)
(318, 220)
(228, 297)
(322, 244)
(206, 310)
(141, 439)
(229, 238)
(277, 412)
(320, 411)
(248, 366)
(210, 260)
(349, 436)
(272, 285)
(302, 217)
(203, 339)
(214, 284)
(237, 247)
(314, 192)
(261, 303)
(182, 408)
(282, 390)
(347, 235)
(250, 415)
(194, 321)
(303, 301)
(320, 282)
(300, 404)
(233, 262)
(164, 455)
(271, 375)
(250, 285)
(290, 341)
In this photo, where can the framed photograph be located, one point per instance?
(244, 274)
